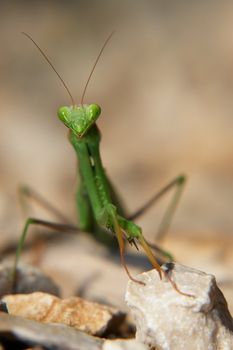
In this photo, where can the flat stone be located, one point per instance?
(16, 331)
(87, 316)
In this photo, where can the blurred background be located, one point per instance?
(165, 85)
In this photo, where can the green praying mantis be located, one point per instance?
(96, 200)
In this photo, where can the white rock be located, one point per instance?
(123, 344)
(168, 320)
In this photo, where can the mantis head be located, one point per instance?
(79, 118)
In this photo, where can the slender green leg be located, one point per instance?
(179, 183)
(29, 193)
(33, 221)
(169, 213)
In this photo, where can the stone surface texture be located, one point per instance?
(60, 337)
(167, 320)
(123, 344)
(29, 280)
(90, 317)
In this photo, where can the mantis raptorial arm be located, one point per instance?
(111, 212)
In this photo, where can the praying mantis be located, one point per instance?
(96, 200)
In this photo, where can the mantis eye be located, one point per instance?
(93, 111)
(64, 114)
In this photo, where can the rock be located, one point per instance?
(168, 320)
(15, 332)
(29, 280)
(92, 318)
(123, 344)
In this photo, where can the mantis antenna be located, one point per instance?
(51, 65)
(95, 63)
(59, 76)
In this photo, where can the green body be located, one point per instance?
(95, 192)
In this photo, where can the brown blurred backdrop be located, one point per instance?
(165, 85)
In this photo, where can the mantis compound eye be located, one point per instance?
(93, 111)
(64, 114)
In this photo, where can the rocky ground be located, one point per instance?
(165, 86)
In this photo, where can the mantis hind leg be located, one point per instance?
(179, 183)
(29, 193)
(38, 222)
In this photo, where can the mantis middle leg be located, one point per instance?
(179, 183)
